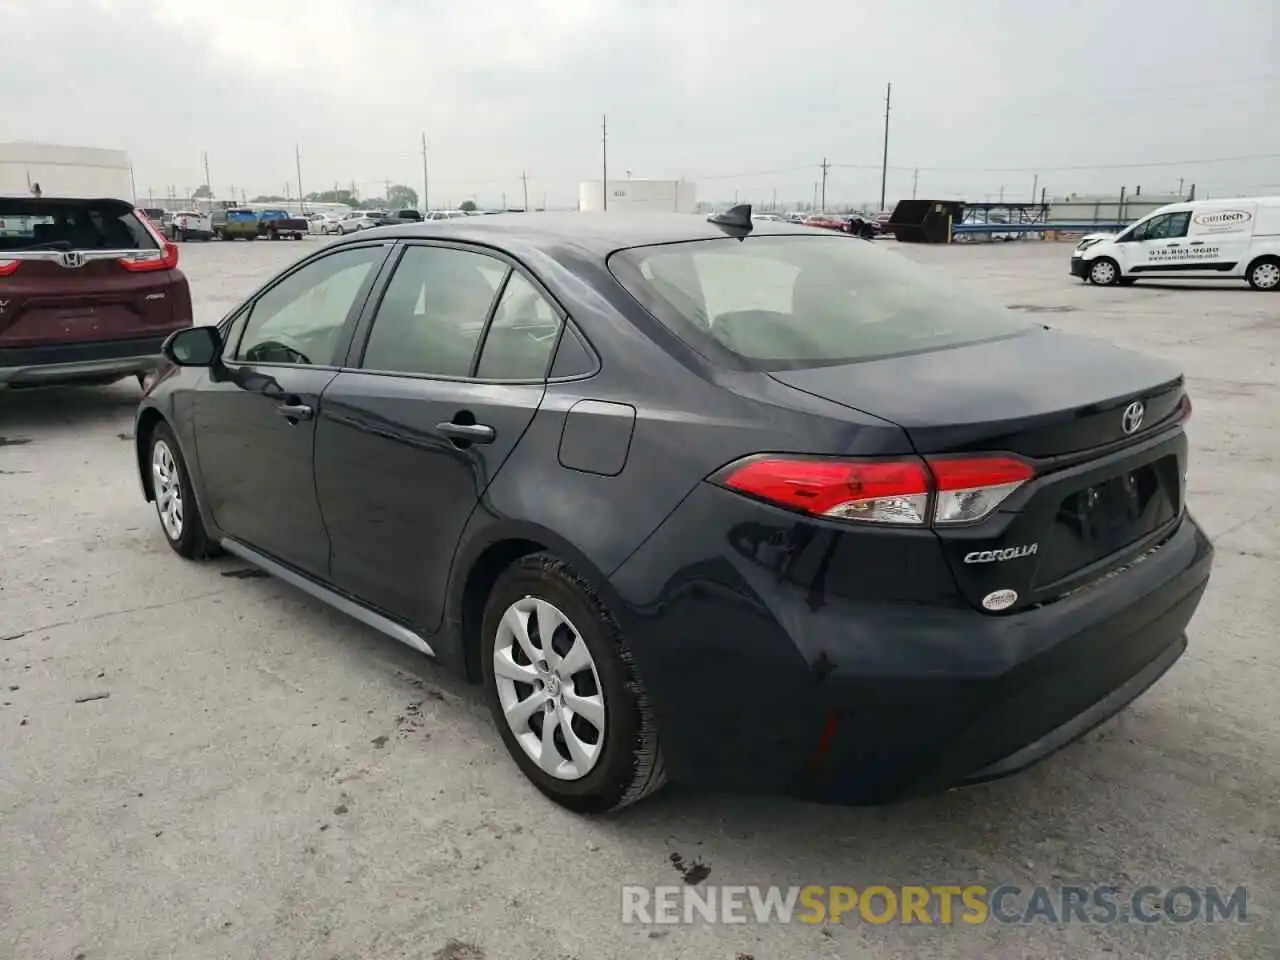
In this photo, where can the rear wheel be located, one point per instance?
(1264, 274)
(175, 502)
(1105, 272)
(563, 690)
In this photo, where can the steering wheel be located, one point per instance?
(275, 351)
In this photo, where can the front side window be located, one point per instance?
(789, 302)
(521, 337)
(1166, 227)
(299, 319)
(433, 313)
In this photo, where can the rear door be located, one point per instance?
(255, 415)
(437, 394)
(1220, 235)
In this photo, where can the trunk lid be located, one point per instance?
(1102, 494)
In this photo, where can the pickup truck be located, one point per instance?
(189, 225)
(235, 224)
(274, 224)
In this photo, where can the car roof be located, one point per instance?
(597, 233)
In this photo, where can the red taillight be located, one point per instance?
(964, 489)
(969, 488)
(9, 267)
(880, 491)
(165, 259)
(1184, 405)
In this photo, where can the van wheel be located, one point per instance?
(1264, 273)
(564, 692)
(1105, 272)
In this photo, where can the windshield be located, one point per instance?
(797, 301)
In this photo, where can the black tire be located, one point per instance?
(251, 236)
(180, 236)
(630, 766)
(190, 541)
(1095, 270)
(1260, 272)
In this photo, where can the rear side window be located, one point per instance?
(433, 313)
(31, 223)
(788, 302)
(521, 337)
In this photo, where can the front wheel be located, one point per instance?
(563, 690)
(175, 502)
(1105, 272)
(1264, 274)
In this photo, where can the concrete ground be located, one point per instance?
(263, 778)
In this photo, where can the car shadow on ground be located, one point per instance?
(26, 409)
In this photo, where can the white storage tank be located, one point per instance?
(64, 171)
(657, 196)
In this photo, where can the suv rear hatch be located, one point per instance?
(1087, 437)
(80, 271)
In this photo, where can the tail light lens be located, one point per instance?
(144, 260)
(1184, 405)
(970, 488)
(9, 267)
(962, 490)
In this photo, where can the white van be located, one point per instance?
(1195, 240)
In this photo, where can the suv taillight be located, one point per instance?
(163, 259)
(942, 491)
(9, 267)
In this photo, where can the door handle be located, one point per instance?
(295, 411)
(1196, 243)
(1173, 244)
(468, 432)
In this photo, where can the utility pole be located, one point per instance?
(884, 161)
(774, 206)
(386, 190)
(1035, 186)
(1002, 193)
(814, 207)
(133, 186)
(504, 200)
(825, 167)
(524, 180)
(426, 200)
(297, 160)
(604, 161)
(207, 182)
(915, 181)
(1181, 181)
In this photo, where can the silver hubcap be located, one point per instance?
(168, 489)
(1266, 275)
(1103, 272)
(549, 689)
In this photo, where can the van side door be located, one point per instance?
(1220, 236)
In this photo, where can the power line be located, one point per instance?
(1082, 166)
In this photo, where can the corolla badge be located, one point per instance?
(1131, 419)
(999, 556)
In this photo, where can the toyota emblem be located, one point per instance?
(72, 259)
(1131, 419)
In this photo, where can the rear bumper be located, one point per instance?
(764, 680)
(1079, 267)
(78, 362)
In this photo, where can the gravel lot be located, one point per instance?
(269, 779)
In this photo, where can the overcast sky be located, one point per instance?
(738, 95)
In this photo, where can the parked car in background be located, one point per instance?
(358, 220)
(234, 224)
(445, 214)
(934, 541)
(860, 226)
(827, 221)
(407, 215)
(323, 223)
(281, 225)
(189, 225)
(155, 215)
(88, 292)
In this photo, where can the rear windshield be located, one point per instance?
(38, 224)
(241, 215)
(785, 302)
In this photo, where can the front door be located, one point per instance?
(1159, 247)
(255, 414)
(436, 400)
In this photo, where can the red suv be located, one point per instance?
(88, 292)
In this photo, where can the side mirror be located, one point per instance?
(193, 347)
